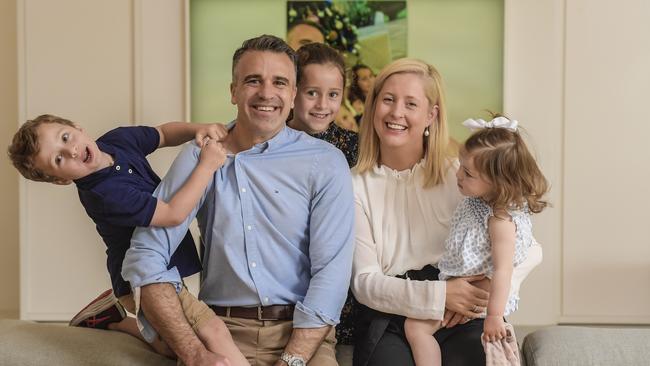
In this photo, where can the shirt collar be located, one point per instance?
(276, 142)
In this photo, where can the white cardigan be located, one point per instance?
(402, 226)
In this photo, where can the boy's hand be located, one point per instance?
(494, 328)
(215, 131)
(213, 154)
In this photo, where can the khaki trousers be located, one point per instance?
(262, 341)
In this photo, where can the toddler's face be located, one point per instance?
(470, 182)
(66, 152)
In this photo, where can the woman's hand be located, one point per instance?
(494, 328)
(215, 131)
(465, 298)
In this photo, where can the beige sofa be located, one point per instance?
(25, 343)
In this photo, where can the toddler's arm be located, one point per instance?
(172, 213)
(177, 133)
(502, 236)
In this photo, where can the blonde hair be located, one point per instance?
(436, 154)
(502, 158)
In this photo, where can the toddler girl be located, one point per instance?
(490, 230)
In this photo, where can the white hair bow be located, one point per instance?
(499, 122)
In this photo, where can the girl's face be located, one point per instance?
(402, 112)
(365, 79)
(319, 97)
(470, 182)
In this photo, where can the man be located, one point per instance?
(277, 225)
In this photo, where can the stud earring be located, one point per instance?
(426, 132)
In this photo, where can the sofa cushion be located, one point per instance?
(33, 344)
(569, 345)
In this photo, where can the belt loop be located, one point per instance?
(227, 311)
(259, 313)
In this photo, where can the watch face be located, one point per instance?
(297, 362)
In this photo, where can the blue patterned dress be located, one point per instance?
(468, 247)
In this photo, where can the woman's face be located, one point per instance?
(319, 97)
(402, 112)
(365, 79)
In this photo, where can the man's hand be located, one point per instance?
(211, 359)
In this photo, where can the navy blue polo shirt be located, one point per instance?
(119, 198)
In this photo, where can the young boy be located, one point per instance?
(115, 184)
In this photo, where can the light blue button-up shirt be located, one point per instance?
(277, 223)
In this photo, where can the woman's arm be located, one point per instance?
(413, 299)
(502, 237)
(172, 213)
(177, 133)
(371, 287)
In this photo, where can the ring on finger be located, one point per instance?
(476, 309)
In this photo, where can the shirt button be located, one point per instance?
(266, 300)
(130, 171)
(249, 227)
(117, 167)
(253, 264)
(243, 190)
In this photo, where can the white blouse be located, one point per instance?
(402, 226)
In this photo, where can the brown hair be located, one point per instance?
(502, 158)
(436, 154)
(263, 43)
(24, 147)
(319, 54)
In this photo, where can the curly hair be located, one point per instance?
(24, 147)
(502, 158)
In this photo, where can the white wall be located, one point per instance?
(101, 64)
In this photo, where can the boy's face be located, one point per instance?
(66, 152)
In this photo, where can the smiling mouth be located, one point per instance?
(320, 115)
(265, 108)
(395, 126)
(88, 155)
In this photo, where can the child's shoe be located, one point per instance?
(102, 311)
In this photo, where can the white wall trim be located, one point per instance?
(22, 184)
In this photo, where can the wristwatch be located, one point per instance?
(292, 360)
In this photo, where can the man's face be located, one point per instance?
(263, 89)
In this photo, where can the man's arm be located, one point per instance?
(163, 310)
(331, 233)
(304, 342)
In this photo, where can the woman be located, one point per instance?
(406, 193)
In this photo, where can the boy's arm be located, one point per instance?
(177, 133)
(174, 212)
(502, 236)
